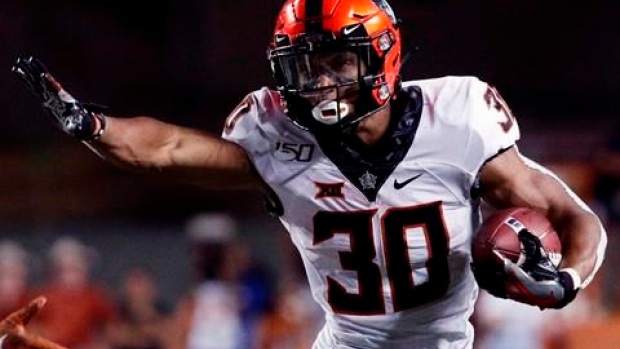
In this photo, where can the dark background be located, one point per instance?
(190, 62)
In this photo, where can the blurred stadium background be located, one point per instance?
(190, 62)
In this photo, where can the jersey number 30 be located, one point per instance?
(395, 223)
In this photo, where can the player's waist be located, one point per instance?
(452, 333)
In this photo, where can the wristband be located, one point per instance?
(574, 275)
(101, 118)
(92, 126)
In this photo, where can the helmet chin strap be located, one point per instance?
(329, 112)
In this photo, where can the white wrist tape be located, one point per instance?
(573, 274)
(2, 339)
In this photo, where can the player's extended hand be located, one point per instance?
(70, 115)
(537, 281)
(13, 329)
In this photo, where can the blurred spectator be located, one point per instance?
(293, 321)
(13, 277)
(143, 315)
(607, 164)
(506, 324)
(79, 310)
(254, 283)
(231, 290)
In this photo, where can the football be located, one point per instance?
(499, 232)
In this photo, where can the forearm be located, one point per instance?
(582, 235)
(142, 143)
(139, 143)
(181, 154)
(583, 242)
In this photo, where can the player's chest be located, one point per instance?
(322, 185)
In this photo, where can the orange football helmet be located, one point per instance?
(310, 29)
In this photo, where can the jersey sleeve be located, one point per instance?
(245, 127)
(492, 126)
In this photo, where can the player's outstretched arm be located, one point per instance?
(140, 143)
(13, 332)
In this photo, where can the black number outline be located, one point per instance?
(360, 258)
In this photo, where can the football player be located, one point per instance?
(377, 180)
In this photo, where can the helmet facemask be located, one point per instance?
(328, 83)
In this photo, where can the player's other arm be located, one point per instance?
(13, 332)
(142, 143)
(512, 180)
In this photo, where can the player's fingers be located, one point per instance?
(510, 268)
(516, 273)
(25, 75)
(28, 68)
(508, 264)
(518, 279)
(51, 83)
(23, 315)
(38, 65)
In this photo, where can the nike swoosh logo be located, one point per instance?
(400, 185)
(349, 30)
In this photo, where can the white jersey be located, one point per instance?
(386, 245)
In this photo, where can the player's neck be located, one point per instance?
(371, 129)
